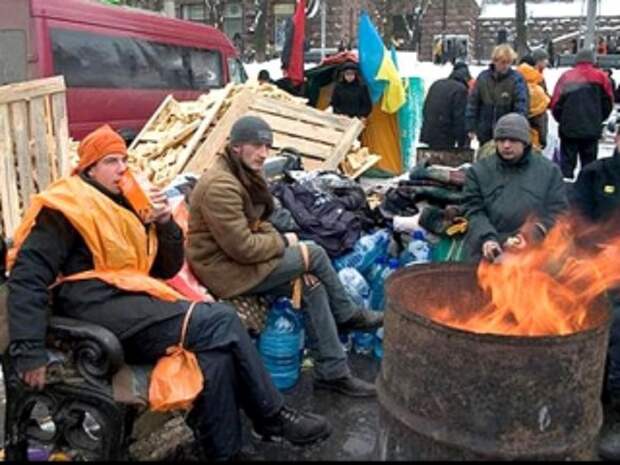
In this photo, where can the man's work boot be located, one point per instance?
(296, 427)
(362, 320)
(349, 386)
(609, 446)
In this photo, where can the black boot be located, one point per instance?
(296, 427)
(362, 320)
(348, 385)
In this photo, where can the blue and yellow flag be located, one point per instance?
(378, 69)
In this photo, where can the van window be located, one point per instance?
(236, 71)
(94, 60)
(13, 57)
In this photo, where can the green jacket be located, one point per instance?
(501, 196)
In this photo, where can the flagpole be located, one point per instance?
(323, 26)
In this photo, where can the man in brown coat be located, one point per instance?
(234, 250)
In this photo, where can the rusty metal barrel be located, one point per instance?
(446, 393)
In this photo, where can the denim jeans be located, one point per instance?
(233, 372)
(323, 306)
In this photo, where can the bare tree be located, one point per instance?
(521, 46)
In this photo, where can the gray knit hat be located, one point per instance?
(539, 54)
(513, 126)
(585, 55)
(251, 129)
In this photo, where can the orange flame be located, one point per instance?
(547, 289)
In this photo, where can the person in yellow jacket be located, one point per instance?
(539, 101)
(81, 239)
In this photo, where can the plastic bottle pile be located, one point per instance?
(363, 273)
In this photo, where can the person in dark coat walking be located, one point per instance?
(443, 125)
(110, 265)
(498, 91)
(351, 96)
(513, 197)
(597, 199)
(582, 100)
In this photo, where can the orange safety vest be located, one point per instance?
(123, 248)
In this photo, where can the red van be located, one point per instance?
(119, 63)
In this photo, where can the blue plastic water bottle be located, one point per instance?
(377, 296)
(279, 344)
(417, 251)
(378, 347)
(372, 247)
(363, 342)
(365, 252)
(356, 286)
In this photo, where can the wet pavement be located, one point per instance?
(355, 422)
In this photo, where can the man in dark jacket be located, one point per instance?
(597, 199)
(498, 90)
(84, 230)
(443, 125)
(504, 191)
(350, 96)
(582, 100)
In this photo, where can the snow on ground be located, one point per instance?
(409, 66)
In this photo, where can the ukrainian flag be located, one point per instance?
(378, 69)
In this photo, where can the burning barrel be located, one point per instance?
(448, 393)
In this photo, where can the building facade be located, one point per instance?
(468, 28)
(260, 24)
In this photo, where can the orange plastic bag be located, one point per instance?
(176, 379)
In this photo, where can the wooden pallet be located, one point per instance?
(323, 138)
(34, 144)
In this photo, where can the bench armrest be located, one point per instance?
(96, 351)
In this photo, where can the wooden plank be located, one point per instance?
(311, 165)
(8, 185)
(49, 137)
(297, 128)
(61, 133)
(31, 89)
(207, 119)
(19, 112)
(344, 145)
(300, 113)
(176, 138)
(216, 140)
(306, 147)
(149, 123)
(371, 161)
(38, 134)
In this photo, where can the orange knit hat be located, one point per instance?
(96, 145)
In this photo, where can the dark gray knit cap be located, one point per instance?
(251, 129)
(539, 54)
(585, 55)
(513, 126)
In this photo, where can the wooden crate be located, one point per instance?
(34, 144)
(323, 139)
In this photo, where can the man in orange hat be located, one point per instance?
(82, 234)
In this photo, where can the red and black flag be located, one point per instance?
(293, 49)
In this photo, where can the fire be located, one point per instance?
(544, 290)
